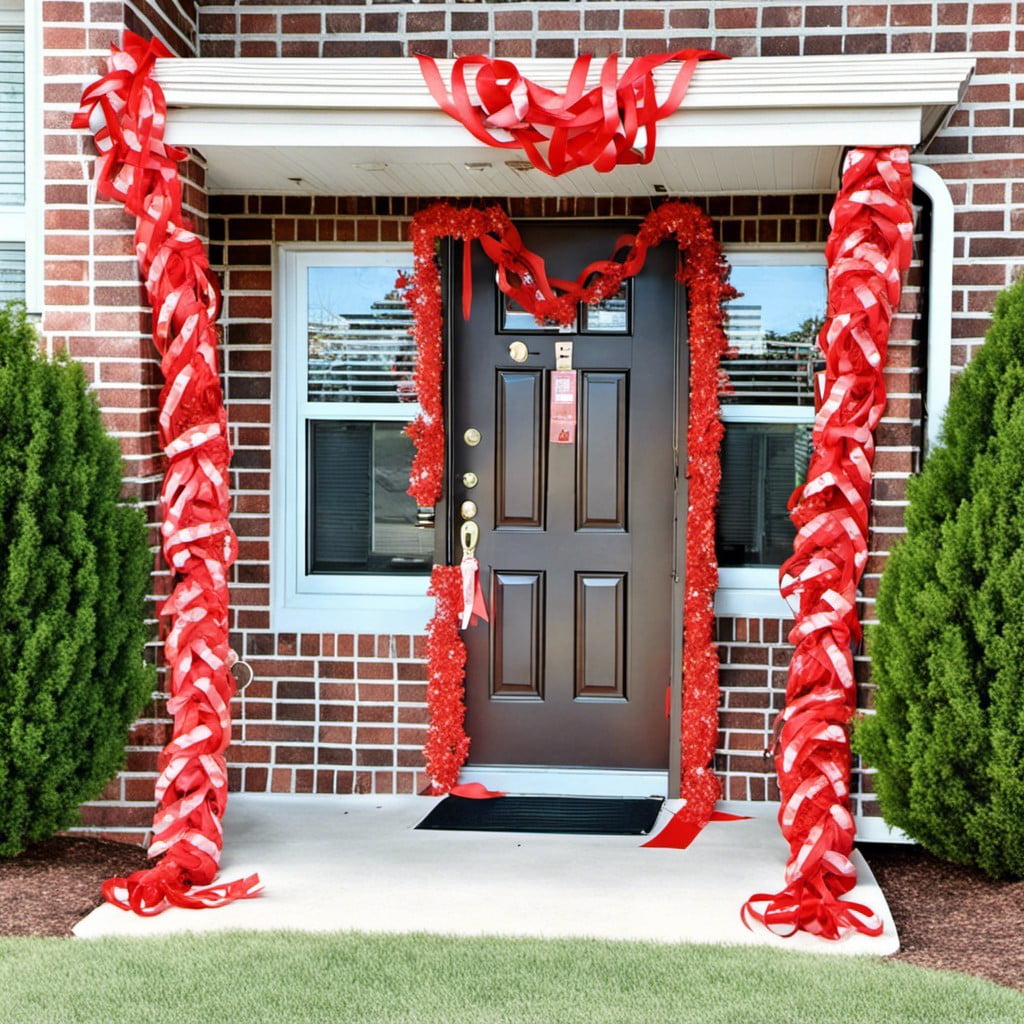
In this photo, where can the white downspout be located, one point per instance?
(940, 300)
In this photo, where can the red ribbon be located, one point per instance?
(599, 127)
(868, 248)
(138, 169)
(473, 606)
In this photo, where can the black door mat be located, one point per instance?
(565, 815)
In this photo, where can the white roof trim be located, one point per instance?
(381, 106)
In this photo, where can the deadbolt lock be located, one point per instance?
(518, 352)
(468, 509)
(471, 437)
(470, 480)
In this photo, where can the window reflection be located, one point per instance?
(359, 346)
(774, 327)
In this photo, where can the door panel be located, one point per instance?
(576, 540)
(517, 605)
(601, 635)
(601, 451)
(520, 442)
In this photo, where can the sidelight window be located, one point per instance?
(348, 553)
(768, 413)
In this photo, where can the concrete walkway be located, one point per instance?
(356, 863)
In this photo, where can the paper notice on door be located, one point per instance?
(563, 407)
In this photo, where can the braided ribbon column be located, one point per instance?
(127, 112)
(868, 248)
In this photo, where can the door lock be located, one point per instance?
(470, 480)
(468, 509)
(471, 437)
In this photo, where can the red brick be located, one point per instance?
(823, 16)
(993, 14)
(300, 23)
(691, 18)
(866, 15)
(643, 18)
(995, 42)
(349, 24)
(910, 14)
(600, 21)
(559, 21)
(426, 21)
(736, 18)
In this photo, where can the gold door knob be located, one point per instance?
(468, 509)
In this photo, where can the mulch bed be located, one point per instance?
(948, 917)
(54, 884)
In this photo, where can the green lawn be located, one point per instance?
(250, 977)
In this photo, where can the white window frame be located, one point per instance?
(753, 592)
(24, 223)
(332, 603)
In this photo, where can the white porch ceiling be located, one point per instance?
(370, 127)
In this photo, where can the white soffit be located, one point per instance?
(370, 127)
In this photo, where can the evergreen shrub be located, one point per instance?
(947, 738)
(74, 573)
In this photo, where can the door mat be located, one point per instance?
(562, 815)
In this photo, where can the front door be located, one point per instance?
(576, 544)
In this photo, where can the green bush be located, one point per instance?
(74, 572)
(948, 651)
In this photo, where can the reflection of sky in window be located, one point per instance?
(340, 290)
(787, 295)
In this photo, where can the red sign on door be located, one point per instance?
(563, 407)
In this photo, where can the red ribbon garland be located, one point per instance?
(521, 274)
(136, 168)
(868, 248)
(598, 127)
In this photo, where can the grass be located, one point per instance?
(337, 978)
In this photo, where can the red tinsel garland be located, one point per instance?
(868, 248)
(137, 169)
(447, 744)
(521, 274)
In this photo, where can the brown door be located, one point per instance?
(576, 540)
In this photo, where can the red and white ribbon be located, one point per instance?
(473, 606)
(599, 127)
(126, 111)
(868, 249)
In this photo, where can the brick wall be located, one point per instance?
(345, 713)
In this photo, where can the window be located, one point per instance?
(19, 182)
(768, 415)
(348, 554)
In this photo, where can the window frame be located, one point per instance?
(324, 602)
(753, 591)
(23, 223)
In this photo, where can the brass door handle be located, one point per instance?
(470, 536)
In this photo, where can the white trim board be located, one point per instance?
(370, 126)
